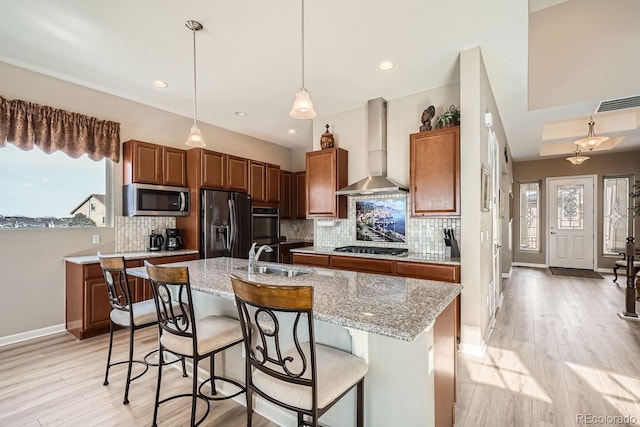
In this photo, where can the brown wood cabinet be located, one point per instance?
(213, 169)
(257, 184)
(316, 260)
(299, 193)
(237, 174)
(286, 195)
(366, 265)
(87, 304)
(148, 163)
(286, 257)
(272, 178)
(445, 359)
(293, 195)
(435, 172)
(327, 172)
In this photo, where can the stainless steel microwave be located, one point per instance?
(154, 200)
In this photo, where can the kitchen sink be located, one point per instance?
(278, 271)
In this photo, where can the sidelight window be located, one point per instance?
(530, 216)
(615, 211)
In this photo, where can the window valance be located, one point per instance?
(26, 124)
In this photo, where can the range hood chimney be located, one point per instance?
(377, 181)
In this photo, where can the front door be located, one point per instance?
(570, 222)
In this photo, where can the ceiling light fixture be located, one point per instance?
(577, 159)
(195, 138)
(302, 106)
(159, 84)
(240, 113)
(591, 141)
(292, 131)
(385, 66)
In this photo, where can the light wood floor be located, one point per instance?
(558, 350)
(57, 381)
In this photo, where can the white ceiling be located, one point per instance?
(249, 56)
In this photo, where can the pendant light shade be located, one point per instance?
(195, 138)
(302, 106)
(591, 141)
(578, 159)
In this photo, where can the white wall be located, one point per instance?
(31, 266)
(476, 99)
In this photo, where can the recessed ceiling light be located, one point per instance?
(385, 66)
(160, 84)
(292, 131)
(240, 113)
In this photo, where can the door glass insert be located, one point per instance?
(571, 207)
(529, 216)
(615, 225)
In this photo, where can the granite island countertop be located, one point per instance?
(91, 259)
(391, 306)
(410, 256)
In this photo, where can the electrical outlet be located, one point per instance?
(96, 239)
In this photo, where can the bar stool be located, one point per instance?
(182, 334)
(307, 378)
(126, 314)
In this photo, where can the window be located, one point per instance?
(49, 190)
(615, 212)
(530, 216)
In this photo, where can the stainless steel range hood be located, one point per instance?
(377, 181)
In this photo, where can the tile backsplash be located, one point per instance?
(297, 229)
(132, 233)
(423, 235)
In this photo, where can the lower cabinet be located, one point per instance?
(87, 304)
(286, 257)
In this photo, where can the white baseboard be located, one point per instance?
(36, 333)
(499, 302)
(507, 275)
(607, 271)
(528, 264)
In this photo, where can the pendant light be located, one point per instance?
(591, 141)
(302, 106)
(195, 138)
(578, 159)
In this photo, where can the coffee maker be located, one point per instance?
(174, 241)
(155, 241)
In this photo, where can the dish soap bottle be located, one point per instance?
(252, 259)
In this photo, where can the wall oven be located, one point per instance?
(265, 226)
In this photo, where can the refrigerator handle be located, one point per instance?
(234, 226)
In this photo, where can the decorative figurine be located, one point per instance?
(326, 140)
(427, 115)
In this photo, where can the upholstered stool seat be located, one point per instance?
(337, 372)
(214, 332)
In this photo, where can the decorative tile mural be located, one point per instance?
(132, 233)
(381, 220)
(423, 235)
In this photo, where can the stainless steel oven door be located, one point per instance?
(265, 226)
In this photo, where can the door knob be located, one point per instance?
(553, 232)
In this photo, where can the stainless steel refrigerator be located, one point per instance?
(225, 223)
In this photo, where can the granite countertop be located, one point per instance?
(411, 256)
(90, 259)
(396, 307)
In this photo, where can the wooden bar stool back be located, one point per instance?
(304, 377)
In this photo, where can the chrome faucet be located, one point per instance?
(254, 256)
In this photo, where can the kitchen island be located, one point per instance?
(403, 327)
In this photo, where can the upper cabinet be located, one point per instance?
(326, 173)
(213, 169)
(257, 185)
(148, 163)
(293, 195)
(286, 199)
(435, 172)
(237, 174)
(264, 182)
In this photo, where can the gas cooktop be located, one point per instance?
(372, 250)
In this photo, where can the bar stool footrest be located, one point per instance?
(207, 396)
(189, 395)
